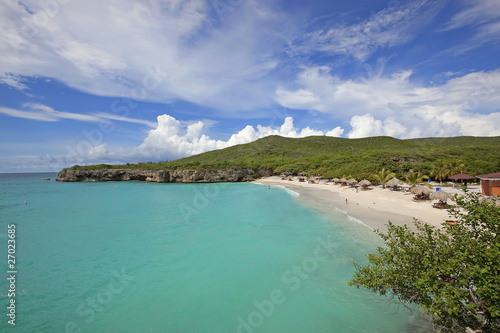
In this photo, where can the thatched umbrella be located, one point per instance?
(336, 180)
(303, 174)
(352, 181)
(441, 195)
(393, 182)
(365, 182)
(343, 180)
(420, 190)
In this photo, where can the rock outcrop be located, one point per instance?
(162, 176)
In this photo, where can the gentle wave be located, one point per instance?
(340, 210)
(292, 193)
(353, 219)
(358, 221)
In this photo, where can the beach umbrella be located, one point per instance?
(343, 180)
(352, 181)
(393, 182)
(365, 182)
(441, 195)
(336, 180)
(462, 176)
(420, 190)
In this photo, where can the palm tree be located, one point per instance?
(415, 178)
(440, 170)
(384, 176)
(455, 167)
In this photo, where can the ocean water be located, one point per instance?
(138, 257)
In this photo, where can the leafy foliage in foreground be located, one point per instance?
(339, 157)
(453, 272)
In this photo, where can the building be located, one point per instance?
(490, 183)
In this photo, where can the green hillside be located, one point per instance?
(337, 157)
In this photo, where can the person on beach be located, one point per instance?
(346, 201)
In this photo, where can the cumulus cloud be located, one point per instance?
(366, 125)
(396, 106)
(173, 139)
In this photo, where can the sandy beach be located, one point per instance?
(374, 207)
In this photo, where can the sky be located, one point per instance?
(117, 81)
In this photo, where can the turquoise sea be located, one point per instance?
(138, 257)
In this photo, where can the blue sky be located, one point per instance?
(85, 82)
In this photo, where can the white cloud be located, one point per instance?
(395, 106)
(13, 81)
(154, 51)
(172, 140)
(482, 18)
(394, 25)
(41, 112)
(478, 13)
(366, 125)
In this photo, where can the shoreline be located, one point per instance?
(374, 207)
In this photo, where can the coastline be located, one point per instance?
(374, 207)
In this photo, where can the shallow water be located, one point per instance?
(137, 257)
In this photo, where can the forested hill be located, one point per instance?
(340, 157)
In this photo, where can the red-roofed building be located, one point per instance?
(490, 183)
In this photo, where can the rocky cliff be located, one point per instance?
(162, 176)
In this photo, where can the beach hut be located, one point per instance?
(364, 184)
(490, 183)
(462, 176)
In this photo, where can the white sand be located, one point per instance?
(374, 207)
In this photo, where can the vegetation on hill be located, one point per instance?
(340, 157)
(452, 272)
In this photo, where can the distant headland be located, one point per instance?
(329, 157)
(161, 176)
